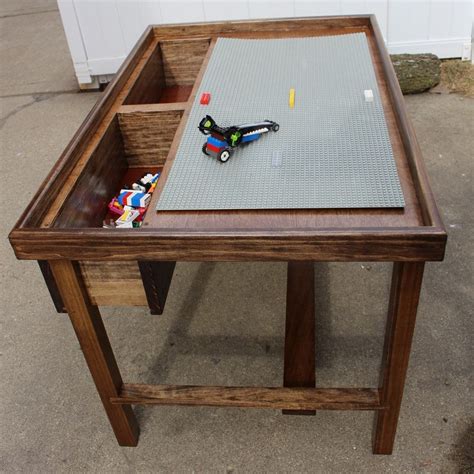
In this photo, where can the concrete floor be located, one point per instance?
(217, 328)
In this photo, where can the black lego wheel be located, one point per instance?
(275, 127)
(204, 149)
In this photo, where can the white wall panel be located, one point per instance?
(317, 7)
(150, 12)
(215, 10)
(344, 7)
(130, 21)
(441, 15)
(72, 29)
(353, 7)
(182, 11)
(461, 17)
(271, 9)
(90, 29)
(408, 20)
(100, 33)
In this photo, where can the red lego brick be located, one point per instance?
(214, 148)
(205, 98)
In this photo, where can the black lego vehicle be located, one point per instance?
(222, 140)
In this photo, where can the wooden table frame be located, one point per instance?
(86, 266)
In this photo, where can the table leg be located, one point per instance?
(156, 277)
(404, 295)
(299, 369)
(95, 345)
(52, 287)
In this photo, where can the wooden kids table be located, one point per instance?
(137, 126)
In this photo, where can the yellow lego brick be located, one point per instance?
(292, 98)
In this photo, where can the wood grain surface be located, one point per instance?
(251, 397)
(98, 182)
(358, 245)
(149, 85)
(404, 296)
(53, 289)
(95, 345)
(273, 27)
(182, 60)
(300, 360)
(175, 94)
(156, 277)
(113, 283)
(147, 135)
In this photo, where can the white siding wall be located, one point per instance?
(100, 33)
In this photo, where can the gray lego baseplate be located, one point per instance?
(332, 149)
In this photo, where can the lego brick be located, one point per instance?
(129, 197)
(250, 138)
(205, 98)
(332, 150)
(211, 147)
(291, 99)
(127, 218)
(215, 142)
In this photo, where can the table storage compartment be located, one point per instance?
(139, 135)
(170, 72)
(114, 163)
